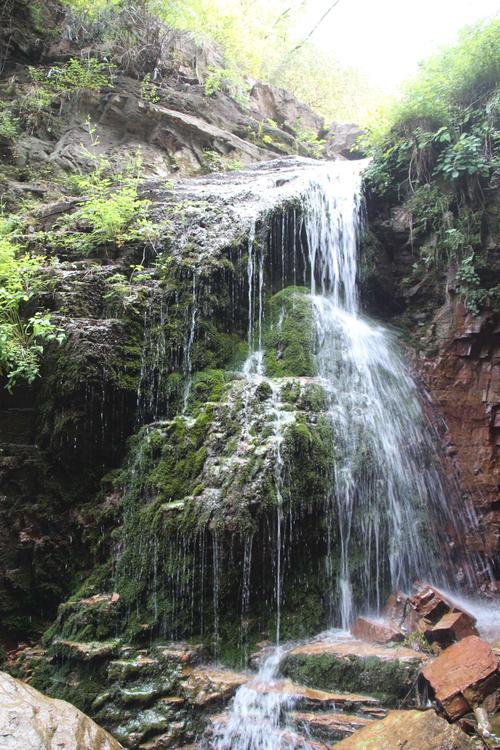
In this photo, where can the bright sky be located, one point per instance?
(386, 39)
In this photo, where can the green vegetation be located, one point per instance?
(110, 212)
(111, 208)
(22, 338)
(390, 681)
(437, 149)
(74, 75)
(289, 337)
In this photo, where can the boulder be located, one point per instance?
(341, 138)
(415, 730)
(281, 106)
(428, 602)
(375, 632)
(464, 676)
(450, 628)
(432, 605)
(30, 720)
(429, 612)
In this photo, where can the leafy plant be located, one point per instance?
(110, 211)
(87, 73)
(465, 157)
(8, 125)
(313, 143)
(22, 339)
(149, 90)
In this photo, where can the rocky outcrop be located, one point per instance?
(350, 664)
(455, 353)
(463, 377)
(428, 615)
(343, 138)
(29, 719)
(284, 109)
(413, 729)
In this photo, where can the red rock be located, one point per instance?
(439, 618)
(463, 676)
(451, 627)
(375, 632)
(430, 604)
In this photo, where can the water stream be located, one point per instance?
(257, 720)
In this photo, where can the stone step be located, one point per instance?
(346, 663)
(211, 685)
(214, 685)
(306, 697)
(328, 725)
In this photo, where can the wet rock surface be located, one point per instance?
(456, 356)
(31, 720)
(378, 632)
(428, 617)
(346, 664)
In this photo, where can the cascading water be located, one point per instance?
(257, 720)
(384, 486)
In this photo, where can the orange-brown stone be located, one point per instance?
(463, 676)
(452, 627)
(375, 632)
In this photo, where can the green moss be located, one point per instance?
(288, 338)
(206, 386)
(309, 453)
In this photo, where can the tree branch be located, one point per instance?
(325, 14)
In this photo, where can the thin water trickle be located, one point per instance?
(188, 364)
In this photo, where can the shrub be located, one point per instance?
(110, 211)
(88, 73)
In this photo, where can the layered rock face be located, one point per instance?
(455, 355)
(175, 469)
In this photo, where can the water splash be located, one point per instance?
(258, 716)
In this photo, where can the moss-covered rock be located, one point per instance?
(388, 674)
(289, 340)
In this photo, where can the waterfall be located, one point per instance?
(385, 486)
(385, 483)
(257, 720)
